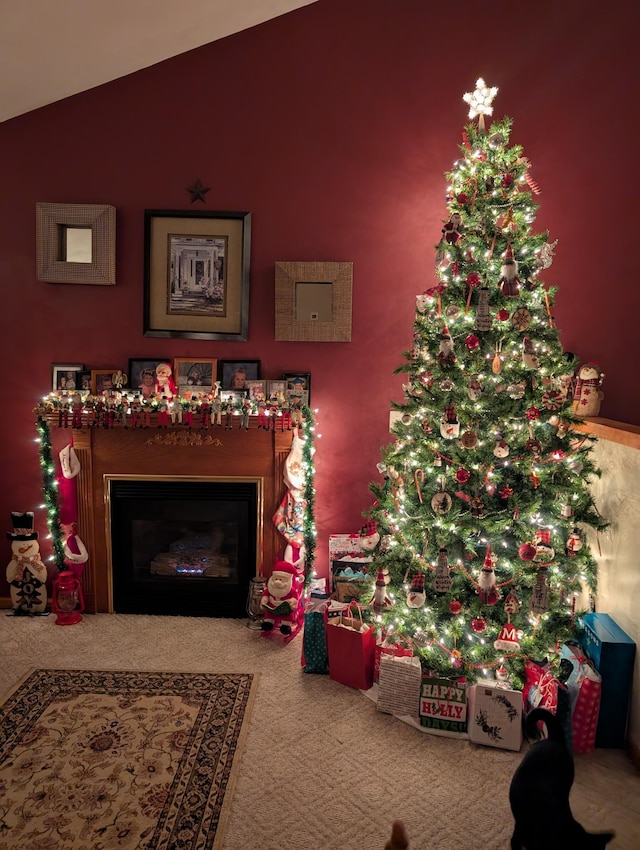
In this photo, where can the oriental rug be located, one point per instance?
(103, 759)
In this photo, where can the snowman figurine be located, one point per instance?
(26, 573)
(587, 394)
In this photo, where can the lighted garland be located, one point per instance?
(50, 492)
(309, 527)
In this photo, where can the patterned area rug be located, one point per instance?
(99, 760)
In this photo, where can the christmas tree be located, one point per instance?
(486, 493)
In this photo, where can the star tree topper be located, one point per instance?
(480, 101)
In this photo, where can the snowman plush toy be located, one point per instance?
(26, 573)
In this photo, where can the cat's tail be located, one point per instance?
(554, 729)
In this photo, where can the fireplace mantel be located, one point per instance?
(171, 452)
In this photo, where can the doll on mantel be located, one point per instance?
(165, 385)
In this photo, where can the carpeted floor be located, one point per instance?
(320, 767)
(119, 759)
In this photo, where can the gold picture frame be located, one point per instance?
(55, 262)
(313, 301)
(196, 274)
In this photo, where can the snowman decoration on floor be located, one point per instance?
(26, 573)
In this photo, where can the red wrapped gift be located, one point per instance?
(585, 688)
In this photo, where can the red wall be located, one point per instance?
(333, 125)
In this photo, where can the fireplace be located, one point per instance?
(118, 457)
(184, 545)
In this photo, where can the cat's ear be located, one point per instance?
(599, 840)
(399, 840)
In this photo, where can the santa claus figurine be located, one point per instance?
(380, 599)
(509, 281)
(165, 385)
(487, 589)
(281, 597)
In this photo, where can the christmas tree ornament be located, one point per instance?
(479, 625)
(469, 440)
(552, 400)
(509, 282)
(496, 363)
(532, 413)
(418, 477)
(462, 475)
(574, 541)
(529, 357)
(452, 229)
(426, 426)
(542, 541)
(455, 607)
(441, 502)
(511, 604)
(472, 342)
(487, 588)
(540, 593)
(446, 356)
(406, 418)
(545, 255)
(507, 181)
(476, 507)
(380, 600)
(501, 449)
(422, 302)
(521, 319)
(533, 446)
(442, 582)
(503, 315)
(452, 312)
(449, 425)
(501, 673)
(496, 140)
(483, 315)
(505, 492)
(507, 640)
(474, 390)
(566, 510)
(416, 596)
(369, 536)
(527, 551)
(446, 385)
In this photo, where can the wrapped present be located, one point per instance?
(443, 704)
(351, 646)
(613, 653)
(543, 690)
(398, 648)
(494, 716)
(399, 685)
(584, 684)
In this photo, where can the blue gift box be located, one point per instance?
(613, 653)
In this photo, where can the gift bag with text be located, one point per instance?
(443, 704)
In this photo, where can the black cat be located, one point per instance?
(539, 794)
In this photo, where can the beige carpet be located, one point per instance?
(320, 766)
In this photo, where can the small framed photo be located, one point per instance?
(66, 378)
(142, 375)
(256, 389)
(278, 388)
(102, 380)
(234, 374)
(233, 395)
(298, 383)
(84, 381)
(195, 373)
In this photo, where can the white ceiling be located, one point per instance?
(51, 49)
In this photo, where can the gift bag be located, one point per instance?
(314, 639)
(351, 646)
(399, 648)
(399, 685)
(543, 690)
(585, 686)
(443, 704)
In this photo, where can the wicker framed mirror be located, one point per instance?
(313, 301)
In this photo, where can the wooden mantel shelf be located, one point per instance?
(614, 432)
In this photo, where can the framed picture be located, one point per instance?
(234, 374)
(313, 301)
(233, 395)
(256, 389)
(196, 274)
(65, 377)
(188, 372)
(298, 383)
(278, 388)
(84, 381)
(142, 375)
(102, 380)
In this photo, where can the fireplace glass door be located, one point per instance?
(183, 547)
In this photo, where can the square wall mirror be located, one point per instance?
(76, 243)
(313, 301)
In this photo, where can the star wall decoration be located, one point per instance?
(198, 191)
(481, 99)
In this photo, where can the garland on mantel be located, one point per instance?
(50, 491)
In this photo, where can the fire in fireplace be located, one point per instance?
(183, 545)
